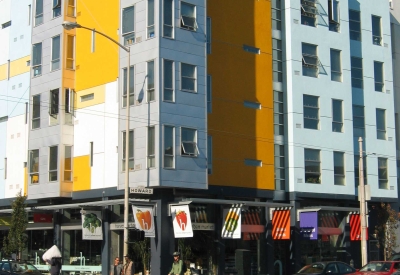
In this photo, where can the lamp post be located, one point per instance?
(361, 196)
(72, 25)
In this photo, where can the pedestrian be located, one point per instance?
(177, 265)
(129, 267)
(116, 269)
(56, 265)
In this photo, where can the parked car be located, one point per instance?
(322, 268)
(380, 268)
(17, 268)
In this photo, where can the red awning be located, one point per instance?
(329, 231)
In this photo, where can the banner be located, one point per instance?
(281, 225)
(309, 225)
(355, 228)
(92, 226)
(231, 228)
(181, 221)
(144, 219)
(41, 217)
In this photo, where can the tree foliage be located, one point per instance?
(16, 240)
(141, 248)
(385, 229)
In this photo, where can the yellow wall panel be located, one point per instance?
(82, 173)
(25, 181)
(99, 96)
(101, 66)
(239, 132)
(3, 71)
(18, 66)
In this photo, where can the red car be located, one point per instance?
(380, 268)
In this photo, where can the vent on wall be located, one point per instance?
(138, 39)
(253, 162)
(251, 49)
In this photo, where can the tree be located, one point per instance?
(385, 229)
(16, 240)
(141, 248)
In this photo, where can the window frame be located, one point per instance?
(131, 158)
(310, 108)
(38, 15)
(339, 168)
(276, 15)
(188, 142)
(381, 129)
(185, 26)
(310, 176)
(34, 166)
(57, 59)
(334, 21)
(36, 65)
(165, 155)
(336, 73)
(71, 8)
(209, 155)
(151, 31)
(336, 123)
(383, 173)
(208, 35)
(151, 147)
(193, 78)
(53, 170)
(277, 55)
(70, 53)
(376, 37)
(354, 21)
(279, 118)
(209, 93)
(54, 105)
(279, 167)
(171, 89)
(165, 24)
(34, 111)
(379, 86)
(66, 168)
(151, 80)
(357, 119)
(309, 12)
(354, 69)
(70, 101)
(129, 36)
(57, 4)
(310, 69)
(131, 86)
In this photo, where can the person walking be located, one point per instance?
(129, 267)
(116, 269)
(177, 265)
(56, 265)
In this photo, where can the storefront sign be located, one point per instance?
(251, 225)
(181, 221)
(79, 268)
(141, 190)
(281, 225)
(144, 219)
(309, 225)
(40, 217)
(355, 228)
(231, 228)
(120, 225)
(203, 226)
(92, 226)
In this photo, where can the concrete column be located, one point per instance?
(295, 239)
(268, 245)
(105, 246)
(57, 217)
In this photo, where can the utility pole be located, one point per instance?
(361, 196)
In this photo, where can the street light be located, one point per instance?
(72, 25)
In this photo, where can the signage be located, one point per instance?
(281, 225)
(40, 217)
(141, 190)
(355, 228)
(120, 225)
(144, 219)
(88, 268)
(309, 225)
(203, 226)
(92, 226)
(232, 221)
(251, 225)
(181, 221)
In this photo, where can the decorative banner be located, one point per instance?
(43, 218)
(181, 221)
(144, 219)
(232, 221)
(309, 225)
(281, 225)
(92, 226)
(355, 228)
(251, 225)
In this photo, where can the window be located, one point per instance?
(71, 8)
(383, 173)
(68, 163)
(310, 60)
(70, 98)
(276, 15)
(5, 168)
(87, 97)
(378, 76)
(357, 169)
(279, 153)
(169, 148)
(36, 112)
(380, 124)
(209, 155)
(128, 25)
(355, 25)
(37, 59)
(91, 153)
(337, 115)
(208, 35)
(55, 53)
(150, 81)
(168, 80)
(311, 112)
(56, 8)
(189, 142)
(150, 19)
(376, 30)
(168, 16)
(188, 77)
(70, 52)
(209, 93)
(34, 166)
(151, 147)
(131, 86)
(312, 166)
(358, 121)
(338, 168)
(356, 72)
(53, 163)
(309, 12)
(336, 68)
(334, 15)
(131, 150)
(251, 49)
(278, 114)
(54, 102)
(6, 25)
(277, 60)
(38, 12)
(188, 16)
